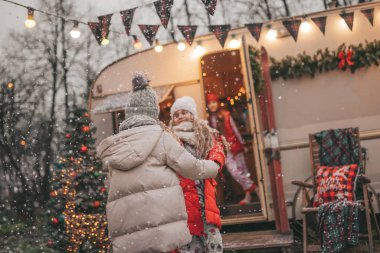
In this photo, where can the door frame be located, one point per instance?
(273, 165)
(257, 143)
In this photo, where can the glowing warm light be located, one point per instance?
(234, 43)
(158, 48)
(199, 50)
(236, 97)
(181, 46)
(239, 94)
(75, 33)
(105, 42)
(222, 104)
(10, 85)
(30, 22)
(23, 142)
(342, 23)
(305, 26)
(232, 102)
(271, 34)
(137, 43)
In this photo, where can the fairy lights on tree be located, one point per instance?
(78, 194)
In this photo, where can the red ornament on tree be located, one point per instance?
(86, 129)
(86, 114)
(102, 189)
(83, 149)
(68, 136)
(96, 204)
(55, 221)
(50, 243)
(53, 194)
(73, 174)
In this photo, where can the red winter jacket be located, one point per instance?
(225, 127)
(193, 207)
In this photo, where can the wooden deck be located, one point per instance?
(257, 240)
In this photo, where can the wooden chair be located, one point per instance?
(307, 208)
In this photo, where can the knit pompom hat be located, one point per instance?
(143, 99)
(184, 103)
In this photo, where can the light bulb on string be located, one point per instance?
(158, 47)
(305, 26)
(234, 43)
(181, 46)
(105, 42)
(199, 50)
(271, 34)
(30, 22)
(343, 23)
(75, 33)
(137, 43)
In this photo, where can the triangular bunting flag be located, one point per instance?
(95, 28)
(210, 6)
(188, 31)
(292, 26)
(101, 29)
(221, 32)
(105, 22)
(255, 30)
(349, 19)
(369, 14)
(127, 17)
(163, 9)
(320, 22)
(149, 32)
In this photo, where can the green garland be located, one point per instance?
(363, 56)
(255, 61)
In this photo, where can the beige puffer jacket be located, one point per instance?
(146, 208)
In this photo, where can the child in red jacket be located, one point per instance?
(203, 142)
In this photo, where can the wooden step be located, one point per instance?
(256, 240)
(236, 209)
(359, 248)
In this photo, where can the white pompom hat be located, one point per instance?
(184, 103)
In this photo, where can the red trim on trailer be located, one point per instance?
(275, 169)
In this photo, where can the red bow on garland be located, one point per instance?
(345, 58)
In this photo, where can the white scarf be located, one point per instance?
(185, 132)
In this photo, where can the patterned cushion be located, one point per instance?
(335, 183)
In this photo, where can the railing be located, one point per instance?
(303, 143)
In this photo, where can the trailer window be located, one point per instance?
(164, 116)
(117, 118)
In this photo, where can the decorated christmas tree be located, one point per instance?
(78, 195)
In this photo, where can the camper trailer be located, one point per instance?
(298, 106)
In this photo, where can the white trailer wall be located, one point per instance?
(330, 100)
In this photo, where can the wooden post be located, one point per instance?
(304, 220)
(368, 218)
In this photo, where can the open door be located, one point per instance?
(231, 109)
